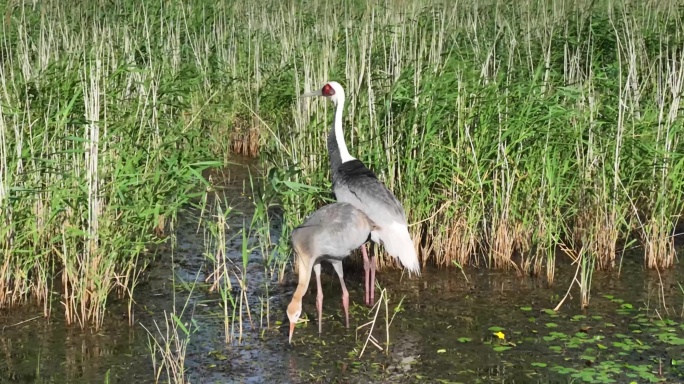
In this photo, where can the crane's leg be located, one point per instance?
(372, 280)
(319, 296)
(345, 293)
(366, 269)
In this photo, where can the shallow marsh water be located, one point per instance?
(495, 327)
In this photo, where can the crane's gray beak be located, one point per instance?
(314, 93)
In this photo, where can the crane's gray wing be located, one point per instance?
(334, 217)
(333, 230)
(356, 184)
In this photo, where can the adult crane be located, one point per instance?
(354, 183)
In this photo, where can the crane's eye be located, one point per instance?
(328, 90)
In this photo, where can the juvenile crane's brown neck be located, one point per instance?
(304, 265)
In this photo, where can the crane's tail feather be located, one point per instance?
(398, 243)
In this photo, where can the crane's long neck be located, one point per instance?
(304, 262)
(333, 153)
(339, 134)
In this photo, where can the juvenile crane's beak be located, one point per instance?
(292, 326)
(314, 93)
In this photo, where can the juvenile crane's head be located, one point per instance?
(294, 310)
(332, 90)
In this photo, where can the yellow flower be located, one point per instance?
(500, 335)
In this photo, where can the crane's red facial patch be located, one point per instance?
(328, 90)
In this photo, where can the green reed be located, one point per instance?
(503, 129)
(100, 144)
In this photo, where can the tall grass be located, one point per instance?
(102, 138)
(504, 129)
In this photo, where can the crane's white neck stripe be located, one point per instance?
(339, 134)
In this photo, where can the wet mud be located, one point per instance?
(493, 327)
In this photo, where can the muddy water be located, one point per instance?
(444, 331)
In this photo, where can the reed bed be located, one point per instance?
(106, 126)
(505, 129)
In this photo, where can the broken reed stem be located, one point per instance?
(382, 301)
(575, 259)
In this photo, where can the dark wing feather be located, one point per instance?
(355, 183)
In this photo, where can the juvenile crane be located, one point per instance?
(330, 234)
(354, 183)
